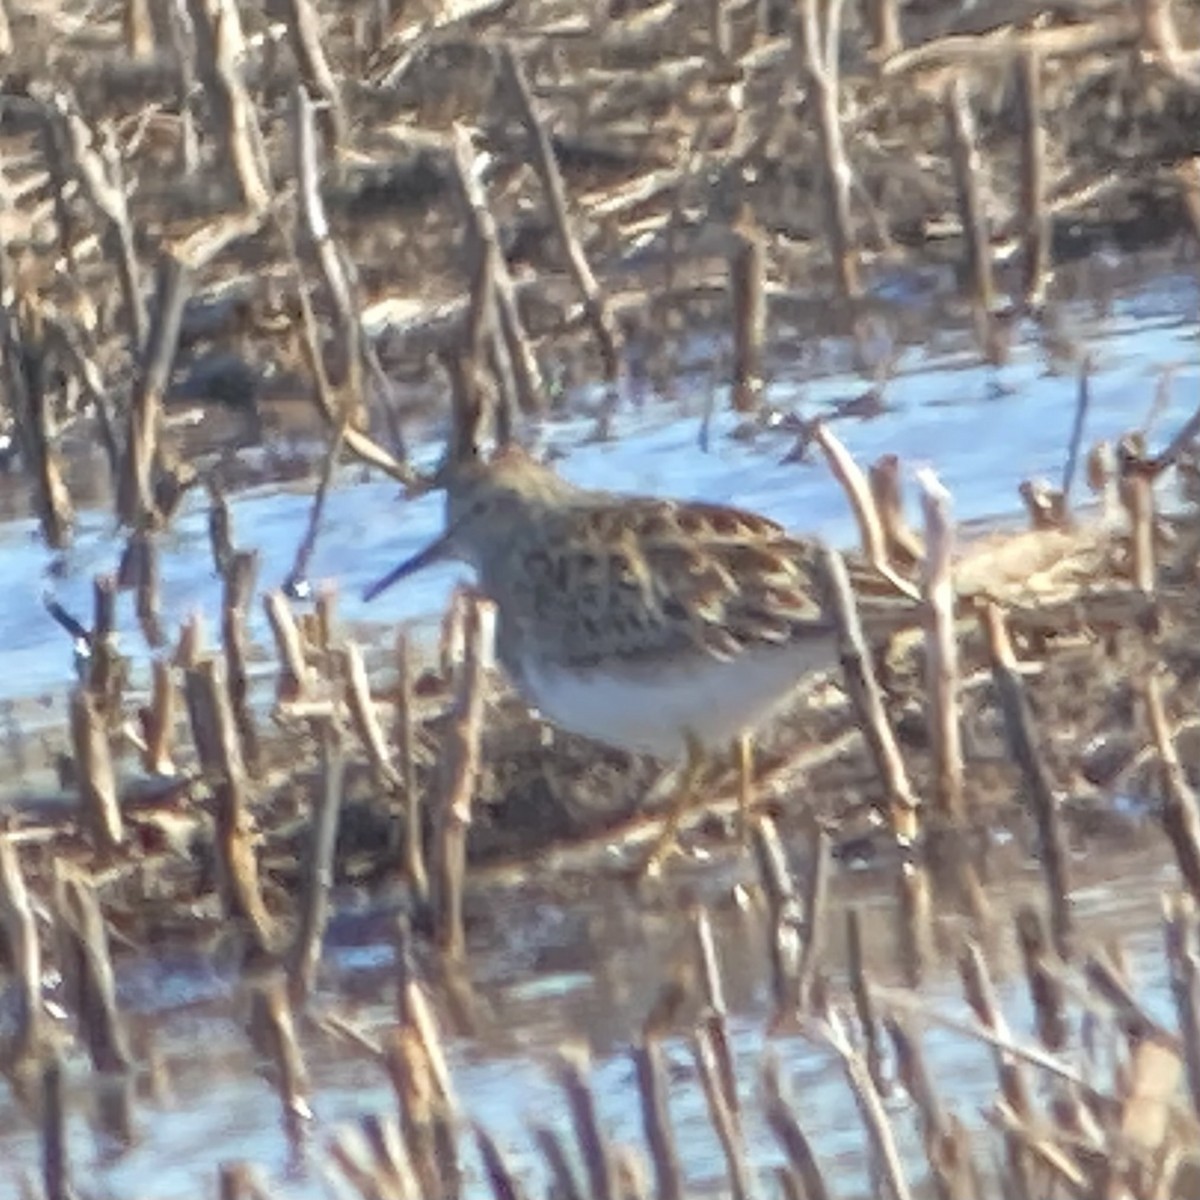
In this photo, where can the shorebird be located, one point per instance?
(663, 627)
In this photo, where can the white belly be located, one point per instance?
(651, 710)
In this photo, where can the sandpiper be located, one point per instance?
(662, 627)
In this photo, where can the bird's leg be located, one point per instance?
(744, 747)
(680, 803)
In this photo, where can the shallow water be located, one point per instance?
(221, 1109)
(982, 429)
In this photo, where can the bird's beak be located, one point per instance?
(438, 550)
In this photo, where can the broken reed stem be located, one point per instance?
(747, 285)
(854, 483)
(462, 766)
(902, 547)
(1179, 931)
(24, 958)
(56, 1177)
(157, 721)
(365, 717)
(861, 993)
(1138, 497)
(831, 1033)
(656, 1121)
(294, 673)
(499, 1174)
(351, 407)
(1034, 216)
(1023, 744)
(980, 994)
(570, 1069)
(941, 647)
(596, 306)
(25, 360)
(90, 990)
(1180, 806)
(883, 25)
(558, 1163)
(791, 1137)
(816, 903)
(527, 376)
(136, 499)
(98, 168)
(901, 801)
(818, 50)
(305, 955)
(138, 572)
(722, 1112)
(965, 159)
(405, 739)
(1046, 988)
(304, 34)
(240, 578)
(272, 1029)
(99, 805)
(296, 582)
(214, 732)
(785, 916)
(220, 52)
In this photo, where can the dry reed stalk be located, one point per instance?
(499, 1174)
(902, 546)
(945, 1140)
(105, 668)
(295, 676)
(889, 1170)
(24, 958)
(1179, 932)
(136, 491)
(405, 739)
(220, 528)
(527, 376)
(272, 1029)
(190, 647)
(90, 990)
(240, 578)
(304, 35)
(214, 732)
(220, 50)
(351, 407)
(365, 717)
(883, 28)
(747, 286)
(1137, 496)
(6, 40)
(414, 1011)
(722, 1111)
(864, 1008)
(96, 163)
(139, 572)
(22, 339)
(1180, 806)
(785, 916)
(901, 802)
(56, 1173)
(858, 491)
(424, 1113)
(558, 1163)
(99, 804)
(1083, 404)
(462, 760)
(138, 27)
(1023, 745)
(241, 1181)
(791, 1137)
(941, 647)
(596, 306)
(1046, 988)
(1034, 216)
(594, 1149)
(818, 37)
(305, 954)
(816, 915)
(966, 161)
(296, 582)
(656, 1120)
(1014, 1086)
(157, 720)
